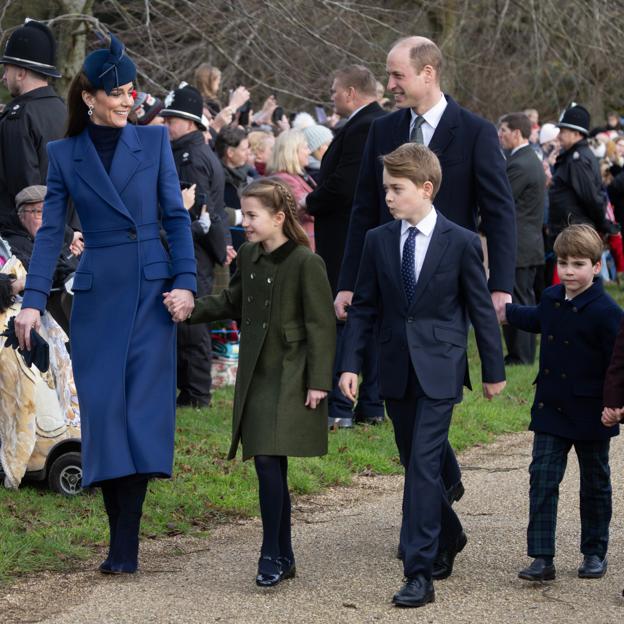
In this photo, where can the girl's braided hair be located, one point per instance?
(276, 196)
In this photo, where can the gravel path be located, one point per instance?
(345, 543)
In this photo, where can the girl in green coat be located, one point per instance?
(282, 297)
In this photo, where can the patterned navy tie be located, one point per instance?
(408, 264)
(416, 133)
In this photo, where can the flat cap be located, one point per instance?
(30, 195)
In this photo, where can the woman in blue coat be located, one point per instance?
(123, 182)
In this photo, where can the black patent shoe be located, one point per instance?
(289, 569)
(538, 571)
(443, 564)
(416, 592)
(269, 571)
(592, 567)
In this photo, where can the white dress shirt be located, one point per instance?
(515, 149)
(423, 238)
(355, 112)
(432, 119)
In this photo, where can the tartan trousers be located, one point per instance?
(550, 456)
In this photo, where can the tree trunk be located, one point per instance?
(71, 39)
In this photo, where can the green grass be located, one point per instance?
(43, 531)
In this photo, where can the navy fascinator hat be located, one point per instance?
(109, 69)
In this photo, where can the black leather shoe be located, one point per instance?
(416, 592)
(538, 571)
(443, 564)
(106, 567)
(592, 567)
(289, 569)
(269, 571)
(455, 492)
(368, 420)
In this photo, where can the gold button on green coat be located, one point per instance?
(286, 348)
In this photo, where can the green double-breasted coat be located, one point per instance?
(287, 345)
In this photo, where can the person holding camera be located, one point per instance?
(197, 165)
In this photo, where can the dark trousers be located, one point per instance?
(369, 403)
(550, 456)
(194, 363)
(421, 426)
(521, 344)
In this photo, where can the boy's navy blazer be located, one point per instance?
(577, 338)
(431, 334)
(474, 182)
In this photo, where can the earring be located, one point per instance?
(90, 111)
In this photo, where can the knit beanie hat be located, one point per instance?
(303, 120)
(548, 132)
(317, 135)
(146, 107)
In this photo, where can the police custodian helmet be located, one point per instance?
(185, 102)
(575, 117)
(32, 46)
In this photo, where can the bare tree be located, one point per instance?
(501, 55)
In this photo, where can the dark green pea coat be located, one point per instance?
(287, 344)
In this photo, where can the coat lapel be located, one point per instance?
(437, 247)
(445, 130)
(402, 128)
(90, 169)
(127, 158)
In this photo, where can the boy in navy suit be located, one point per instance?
(578, 323)
(421, 276)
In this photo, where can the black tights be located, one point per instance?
(123, 500)
(272, 471)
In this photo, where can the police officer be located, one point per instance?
(576, 194)
(197, 165)
(35, 116)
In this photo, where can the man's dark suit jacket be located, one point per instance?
(432, 332)
(473, 182)
(528, 187)
(330, 202)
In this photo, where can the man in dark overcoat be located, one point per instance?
(35, 116)
(197, 164)
(354, 92)
(528, 185)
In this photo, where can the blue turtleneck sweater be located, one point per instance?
(105, 141)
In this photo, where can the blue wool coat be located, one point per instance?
(577, 339)
(123, 338)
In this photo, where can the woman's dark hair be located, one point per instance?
(7, 298)
(77, 110)
(228, 137)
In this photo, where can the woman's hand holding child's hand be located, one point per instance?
(314, 398)
(179, 303)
